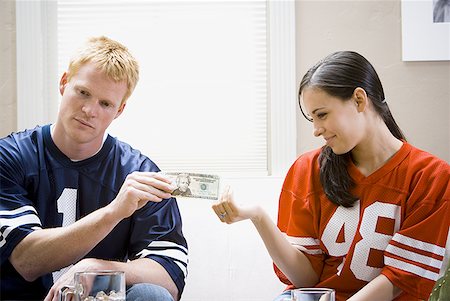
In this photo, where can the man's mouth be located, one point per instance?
(84, 122)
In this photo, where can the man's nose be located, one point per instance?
(89, 108)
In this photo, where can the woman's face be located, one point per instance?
(340, 123)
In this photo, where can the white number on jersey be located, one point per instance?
(346, 220)
(67, 205)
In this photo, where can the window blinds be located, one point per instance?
(201, 102)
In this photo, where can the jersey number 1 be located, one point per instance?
(67, 205)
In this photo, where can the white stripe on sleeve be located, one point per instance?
(411, 268)
(171, 249)
(12, 223)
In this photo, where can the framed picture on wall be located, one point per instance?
(425, 30)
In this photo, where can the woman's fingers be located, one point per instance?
(218, 207)
(221, 213)
(225, 208)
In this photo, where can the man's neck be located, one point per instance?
(76, 152)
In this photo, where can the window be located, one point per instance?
(217, 87)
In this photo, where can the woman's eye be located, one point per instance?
(321, 115)
(105, 104)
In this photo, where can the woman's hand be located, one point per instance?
(228, 212)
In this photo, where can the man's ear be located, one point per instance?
(63, 83)
(360, 99)
(121, 108)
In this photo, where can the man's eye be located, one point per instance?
(84, 93)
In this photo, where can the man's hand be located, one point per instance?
(140, 188)
(88, 264)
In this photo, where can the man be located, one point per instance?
(74, 197)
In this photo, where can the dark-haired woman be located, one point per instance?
(367, 214)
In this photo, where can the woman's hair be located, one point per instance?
(110, 57)
(339, 74)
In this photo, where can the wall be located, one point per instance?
(8, 113)
(229, 263)
(418, 93)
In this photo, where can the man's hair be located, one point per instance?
(110, 57)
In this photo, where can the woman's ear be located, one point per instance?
(360, 98)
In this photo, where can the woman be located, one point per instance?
(367, 214)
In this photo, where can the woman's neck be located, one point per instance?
(376, 149)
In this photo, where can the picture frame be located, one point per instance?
(424, 36)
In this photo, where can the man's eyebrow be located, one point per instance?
(81, 86)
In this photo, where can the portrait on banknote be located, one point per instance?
(183, 181)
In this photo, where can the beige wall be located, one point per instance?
(8, 114)
(418, 93)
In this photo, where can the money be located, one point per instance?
(195, 185)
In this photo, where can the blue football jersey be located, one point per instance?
(37, 185)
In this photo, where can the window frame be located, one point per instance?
(37, 87)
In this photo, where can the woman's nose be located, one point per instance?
(318, 130)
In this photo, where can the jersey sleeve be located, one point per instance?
(157, 234)
(18, 216)
(297, 213)
(415, 255)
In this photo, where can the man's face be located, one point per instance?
(90, 102)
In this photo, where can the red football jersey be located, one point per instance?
(399, 226)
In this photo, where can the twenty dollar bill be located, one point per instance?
(195, 185)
